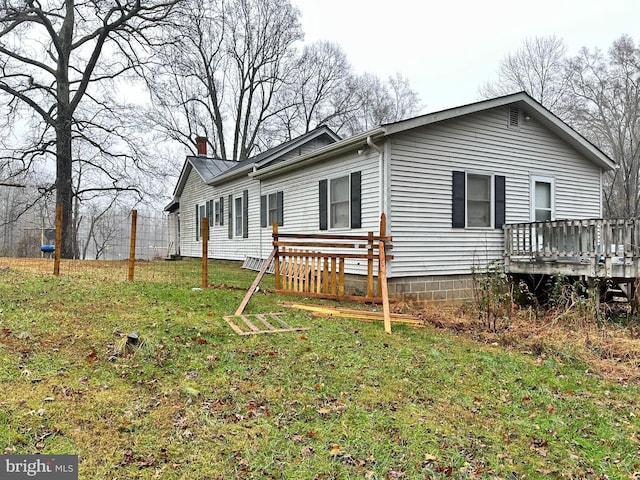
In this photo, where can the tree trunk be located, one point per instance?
(64, 191)
(64, 188)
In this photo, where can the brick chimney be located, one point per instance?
(201, 146)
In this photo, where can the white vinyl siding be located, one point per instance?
(422, 161)
(301, 201)
(238, 247)
(196, 192)
(255, 244)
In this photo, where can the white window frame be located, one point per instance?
(330, 219)
(492, 199)
(238, 220)
(532, 195)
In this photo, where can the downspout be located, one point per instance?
(382, 186)
(601, 194)
(254, 170)
(381, 182)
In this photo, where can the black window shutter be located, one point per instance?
(197, 222)
(458, 210)
(245, 214)
(500, 200)
(263, 211)
(322, 193)
(356, 211)
(280, 211)
(221, 210)
(230, 216)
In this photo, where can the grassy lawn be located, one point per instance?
(340, 400)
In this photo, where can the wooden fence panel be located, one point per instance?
(314, 264)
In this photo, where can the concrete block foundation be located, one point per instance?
(420, 290)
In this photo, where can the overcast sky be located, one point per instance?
(448, 48)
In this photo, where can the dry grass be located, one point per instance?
(110, 270)
(609, 349)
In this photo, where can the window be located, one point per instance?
(237, 209)
(478, 200)
(200, 214)
(217, 213)
(197, 222)
(238, 217)
(542, 191)
(271, 209)
(340, 202)
(209, 213)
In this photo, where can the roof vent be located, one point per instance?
(514, 117)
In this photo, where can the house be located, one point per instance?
(448, 181)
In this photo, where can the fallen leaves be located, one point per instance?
(92, 356)
(140, 461)
(538, 445)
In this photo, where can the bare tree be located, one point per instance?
(56, 57)
(102, 228)
(606, 108)
(537, 67)
(379, 102)
(316, 92)
(225, 73)
(234, 75)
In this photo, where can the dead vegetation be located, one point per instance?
(607, 348)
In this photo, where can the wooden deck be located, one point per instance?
(594, 248)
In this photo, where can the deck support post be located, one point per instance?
(594, 289)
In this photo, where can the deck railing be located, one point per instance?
(594, 242)
(573, 238)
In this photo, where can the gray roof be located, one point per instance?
(522, 99)
(209, 168)
(268, 156)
